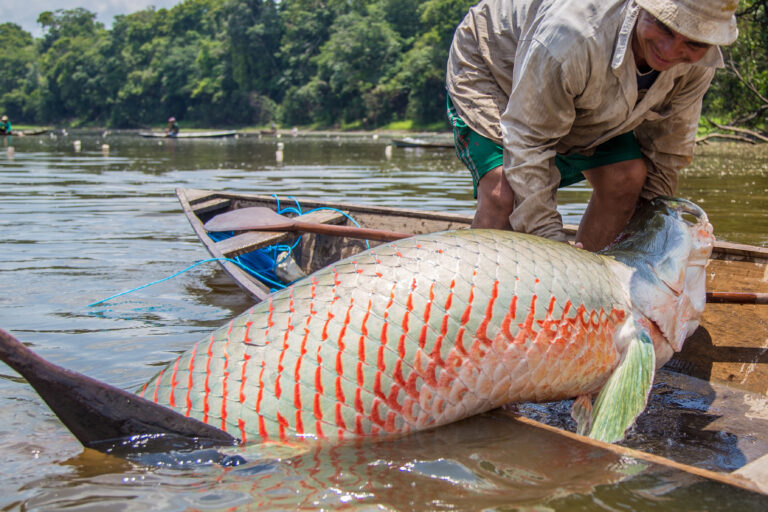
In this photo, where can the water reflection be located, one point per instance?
(77, 227)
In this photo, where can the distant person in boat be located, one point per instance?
(172, 129)
(542, 95)
(5, 126)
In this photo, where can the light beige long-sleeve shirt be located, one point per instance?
(558, 76)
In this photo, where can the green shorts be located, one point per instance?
(481, 154)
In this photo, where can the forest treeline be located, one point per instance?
(322, 63)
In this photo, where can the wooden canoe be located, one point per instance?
(27, 133)
(717, 386)
(190, 135)
(419, 143)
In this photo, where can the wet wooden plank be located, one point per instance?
(731, 344)
(252, 240)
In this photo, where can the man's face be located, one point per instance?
(657, 46)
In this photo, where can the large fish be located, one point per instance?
(428, 330)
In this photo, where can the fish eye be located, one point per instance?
(689, 218)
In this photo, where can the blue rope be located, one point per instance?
(181, 272)
(275, 248)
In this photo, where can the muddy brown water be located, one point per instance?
(79, 226)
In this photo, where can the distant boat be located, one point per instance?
(410, 142)
(189, 135)
(26, 133)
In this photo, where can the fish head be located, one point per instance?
(667, 244)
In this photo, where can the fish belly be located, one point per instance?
(407, 336)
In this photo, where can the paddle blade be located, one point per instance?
(245, 219)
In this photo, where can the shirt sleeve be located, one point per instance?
(539, 113)
(668, 135)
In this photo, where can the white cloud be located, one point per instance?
(25, 12)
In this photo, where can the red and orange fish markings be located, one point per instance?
(427, 311)
(375, 415)
(339, 417)
(430, 375)
(377, 391)
(299, 422)
(247, 334)
(340, 340)
(437, 349)
(394, 390)
(190, 381)
(206, 383)
(459, 341)
(316, 407)
(260, 394)
(404, 323)
(225, 379)
(263, 428)
(271, 312)
(389, 426)
(340, 398)
(359, 407)
(282, 426)
(381, 364)
(482, 329)
(241, 427)
(157, 384)
(284, 349)
(244, 377)
(174, 383)
(525, 329)
(359, 430)
(318, 378)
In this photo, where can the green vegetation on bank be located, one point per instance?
(346, 64)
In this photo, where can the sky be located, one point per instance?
(25, 12)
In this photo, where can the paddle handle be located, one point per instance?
(737, 298)
(349, 231)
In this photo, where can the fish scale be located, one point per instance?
(407, 336)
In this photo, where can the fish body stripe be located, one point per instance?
(414, 336)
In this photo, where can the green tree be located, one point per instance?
(19, 78)
(135, 42)
(361, 50)
(72, 59)
(739, 93)
(417, 90)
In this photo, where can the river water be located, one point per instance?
(78, 226)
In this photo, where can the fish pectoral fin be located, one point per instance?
(581, 412)
(625, 395)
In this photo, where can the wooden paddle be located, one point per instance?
(737, 297)
(259, 218)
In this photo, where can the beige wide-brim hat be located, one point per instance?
(707, 21)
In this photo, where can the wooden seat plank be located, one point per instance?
(252, 240)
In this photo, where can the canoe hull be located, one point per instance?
(190, 135)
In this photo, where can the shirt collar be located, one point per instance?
(713, 57)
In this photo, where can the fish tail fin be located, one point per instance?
(625, 395)
(97, 413)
